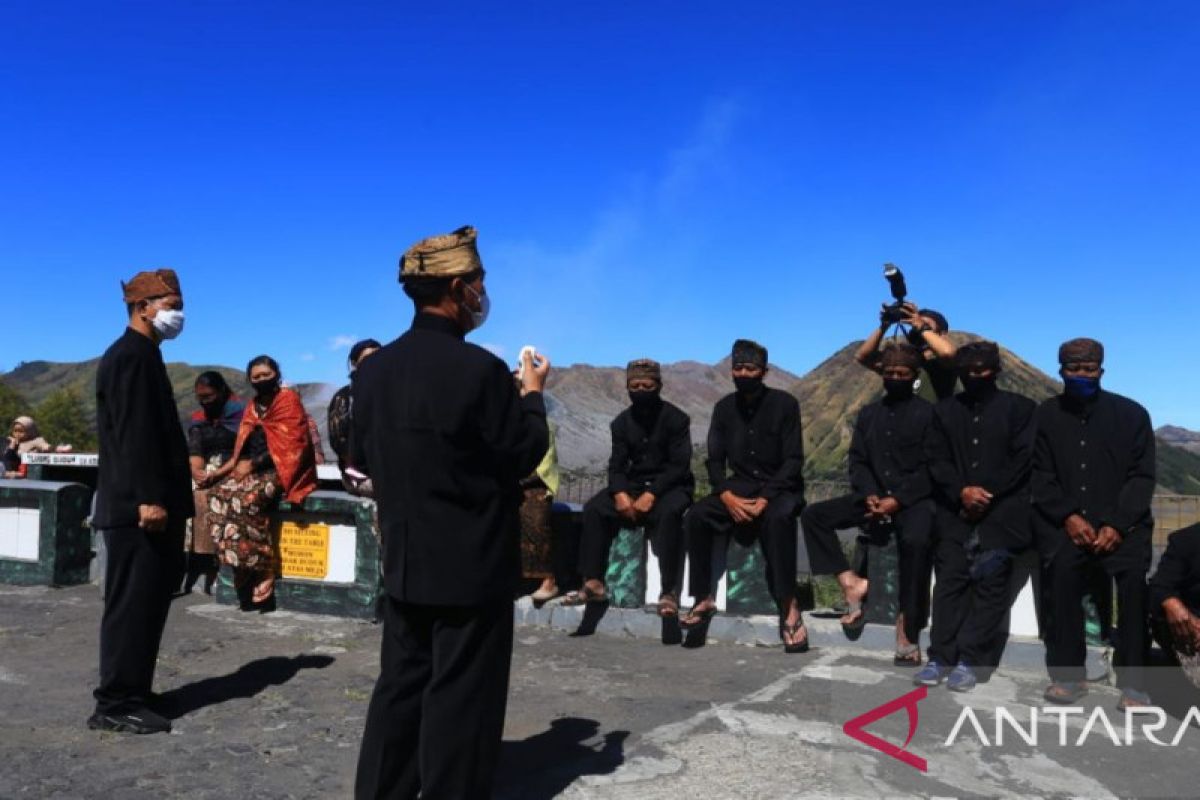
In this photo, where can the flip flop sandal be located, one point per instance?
(668, 606)
(1065, 693)
(854, 628)
(907, 656)
(694, 618)
(584, 596)
(786, 631)
(256, 597)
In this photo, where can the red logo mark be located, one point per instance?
(854, 728)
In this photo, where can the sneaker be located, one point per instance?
(141, 721)
(931, 674)
(962, 679)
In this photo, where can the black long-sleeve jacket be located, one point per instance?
(1095, 458)
(986, 442)
(143, 452)
(651, 452)
(1178, 573)
(887, 451)
(446, 438)
(760, 441)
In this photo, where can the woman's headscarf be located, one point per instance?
(32, 443)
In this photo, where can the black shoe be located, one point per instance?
(141, 721)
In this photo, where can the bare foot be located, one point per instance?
(854, 595)
(264, 589)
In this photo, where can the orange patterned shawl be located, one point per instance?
(286, 427)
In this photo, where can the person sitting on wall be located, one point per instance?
(650, 485)
(1175, 600)
(340, 417)
(22, 438)
(980, 458)
(890, 487)
(755, 433)
(272, 459)
(926, 332)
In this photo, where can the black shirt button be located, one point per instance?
(1082, 442)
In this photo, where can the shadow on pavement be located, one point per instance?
(592, 614)
(247, 681)
(545, 764)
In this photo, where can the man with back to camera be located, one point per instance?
(650, 484)
(980, 458)
(444, 435)
(143, 500)
(890, 485)
(1094, 474)
(755, 433)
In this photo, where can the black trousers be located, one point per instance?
(141, 573)
(1065, 577)
(776, 532)
(437, 714)
(969, 610)
(664, 526)
(913, 527)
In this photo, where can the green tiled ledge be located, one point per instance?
(64, 543)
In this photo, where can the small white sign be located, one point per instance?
(61, 459)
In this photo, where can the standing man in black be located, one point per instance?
(980, 458)
(440, 428)
(650, 484)
(755, 433)
(1094, 475)
(143, 500)
(889, 479)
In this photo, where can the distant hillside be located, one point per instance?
(583, 400)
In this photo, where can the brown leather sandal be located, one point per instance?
(668, 605)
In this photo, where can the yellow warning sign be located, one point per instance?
(304, 550)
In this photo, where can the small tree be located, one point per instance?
(12, 405)
(61, 420)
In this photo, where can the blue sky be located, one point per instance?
(647, 178)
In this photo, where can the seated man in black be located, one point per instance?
(889, 481)
(756, 433)
(980, 457)
(650, 485)
(1094, 475)
(926, 332)
(1175, 600)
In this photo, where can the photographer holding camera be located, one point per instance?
(926, 331)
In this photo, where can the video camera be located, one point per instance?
(894, 313)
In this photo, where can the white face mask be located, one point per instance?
(168, 322)
(485, 305)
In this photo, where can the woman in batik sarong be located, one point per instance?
(273, 459)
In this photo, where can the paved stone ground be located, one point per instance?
(272, 707)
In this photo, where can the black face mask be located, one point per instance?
(265, 388)
(643, 400)
(213, 409)
(978, 387)
(748, 386)
(897, 388)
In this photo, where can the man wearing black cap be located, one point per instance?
(889, 479)
(446, 439)
(143, 501)
(980, 457)
(755, 434)
(650, 485)
(1094, 475)
(926, 332)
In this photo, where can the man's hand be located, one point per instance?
(644, 503)
(886, 507)
(1107, 540)
(756, 507)
(1080, 531)
(152, 518)
(1183, 625)
(536, 368)
(737, 507)
(624, 504)
(975, 499)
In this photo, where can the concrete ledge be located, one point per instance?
(1022, 652)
